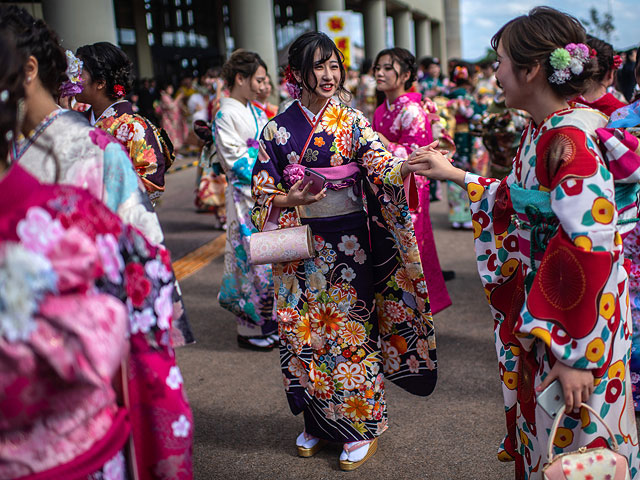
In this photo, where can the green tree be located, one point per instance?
(600, 26)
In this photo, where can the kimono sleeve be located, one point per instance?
(146, 153)
(573, 305)
(383, 169)
(415, 131)
(267, 182)
(123, 194)
(233, 152)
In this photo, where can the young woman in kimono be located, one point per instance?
(108, 78)
(549, 251)
(59, 146)
(402, 125)
(72, 306)
(246, 290)
(359, 309)
(463, 106)
(172, 119)
(597, 95)
(628, 118)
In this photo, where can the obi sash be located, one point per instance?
(343, 189)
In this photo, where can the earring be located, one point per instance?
(28, 79)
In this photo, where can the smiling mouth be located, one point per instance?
(327, 87)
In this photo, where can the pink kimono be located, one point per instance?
(405, 125)
(78, 290)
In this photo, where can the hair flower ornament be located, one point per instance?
(292, 86)
(118, 90)
(73, 85)
(568, 61)
(617, 62)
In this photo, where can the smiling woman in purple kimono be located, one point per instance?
(359, 309)
(402, 125)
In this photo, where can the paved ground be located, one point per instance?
(243, 426)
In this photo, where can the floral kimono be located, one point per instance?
(144, 143)
(464, 107)
(170, 111)
(359, 309)
(551, 261)
(77, 290)
(628, 118)
(247, 290)
(64, 148)
(407, 128)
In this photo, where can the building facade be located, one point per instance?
(168, 39)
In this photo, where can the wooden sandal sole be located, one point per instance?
(348, 466)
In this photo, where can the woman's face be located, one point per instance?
(387, 75)
(264, 94)
(90, 90)
(433, 70)
(169, 90)
(250, 88)
(509, 80)
(326, 76)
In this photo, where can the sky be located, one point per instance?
(480, 19)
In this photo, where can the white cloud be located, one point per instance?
(480, 19)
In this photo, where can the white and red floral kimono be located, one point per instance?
(550, 257)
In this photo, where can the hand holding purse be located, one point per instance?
(596, 463)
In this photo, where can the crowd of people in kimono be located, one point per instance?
(537, 156)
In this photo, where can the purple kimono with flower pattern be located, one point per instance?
(359, 309)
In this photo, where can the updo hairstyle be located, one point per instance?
(604, 58)
(32, 37)
(106, 62)
(405, 60)
(530, 39)
(301, 60)
(241, 62)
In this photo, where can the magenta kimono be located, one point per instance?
(78, 289)
(359, 310)
(405, 125)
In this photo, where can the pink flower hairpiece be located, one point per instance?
(617, 62)
(568, 62)
(292, 85)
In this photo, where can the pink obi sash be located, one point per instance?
(93, 459)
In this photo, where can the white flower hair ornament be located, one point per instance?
(73, 85)
(569, 61)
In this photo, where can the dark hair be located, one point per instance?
(34, 37)
(241, 62)
(426, 62)
(11, 82)
(405, 60)
(457, 75)
(301, 59)
(530, 39)
(366, 66)
(108, 63)
(604, 57)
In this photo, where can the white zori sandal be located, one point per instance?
(308, 445)
(355, 454)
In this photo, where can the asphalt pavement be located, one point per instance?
(243, 426)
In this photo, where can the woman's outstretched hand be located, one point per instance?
(577, 384)
(432, 163)
(298, 196)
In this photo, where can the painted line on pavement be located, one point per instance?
(200, 257)
(182, 167)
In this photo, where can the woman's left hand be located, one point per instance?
(577, 384)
